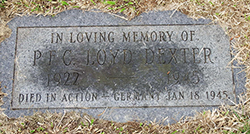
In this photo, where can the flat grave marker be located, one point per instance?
(150, 67)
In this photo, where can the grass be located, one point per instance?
(232, 15)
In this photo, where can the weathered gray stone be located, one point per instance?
(148, 68)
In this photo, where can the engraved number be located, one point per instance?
(76, 78)
(195, 95)
(57, 78)
(64, 79)
(195, 78)
(176, 77)
(67, 78)
(212, 95)
(187, 77)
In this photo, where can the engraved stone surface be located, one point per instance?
(148, 68)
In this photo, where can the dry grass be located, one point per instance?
(232, 15)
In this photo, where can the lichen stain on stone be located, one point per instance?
(164, 68)
(115, 76)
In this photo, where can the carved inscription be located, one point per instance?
(123, 66)
(109, 56)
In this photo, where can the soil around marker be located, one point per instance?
(232, 16)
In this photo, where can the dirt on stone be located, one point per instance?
(232, 15)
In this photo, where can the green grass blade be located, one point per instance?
(110, 2)
(122, 10)
(93, 2)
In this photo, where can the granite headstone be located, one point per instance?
(151, 67)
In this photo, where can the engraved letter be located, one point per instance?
(103, 36)
(191, 35)
(58, 37)
(95, 36)
(64, 98)
(135, 36)
(69, 97)
(174, 96)
(184, 35)
(94, 96)
(51, 98)
(88, 58)
(184, 54)
(79, 37)
(173, 55)
(181, 95)
(145, 38)
(116, 97)
(114, 56)
(67, 64)
(127, 39)
(88, 36)
(87, 96)
(21, 98)
(122, 96)
(207, 55)
(37, 55)
(31, 97)
(111, 39)
(103, 57)
(194, 53)
(51, 54)
(136, 96)
(168, 96)
(38, 97)
(128, 96)
(71, 38)
(147, 56)
(170, 35)
(161, 54)
(162, 36)
(125, 55)
(144, 96)
(153, 37)
(152, 96)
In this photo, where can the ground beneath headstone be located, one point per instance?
(221, 120)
